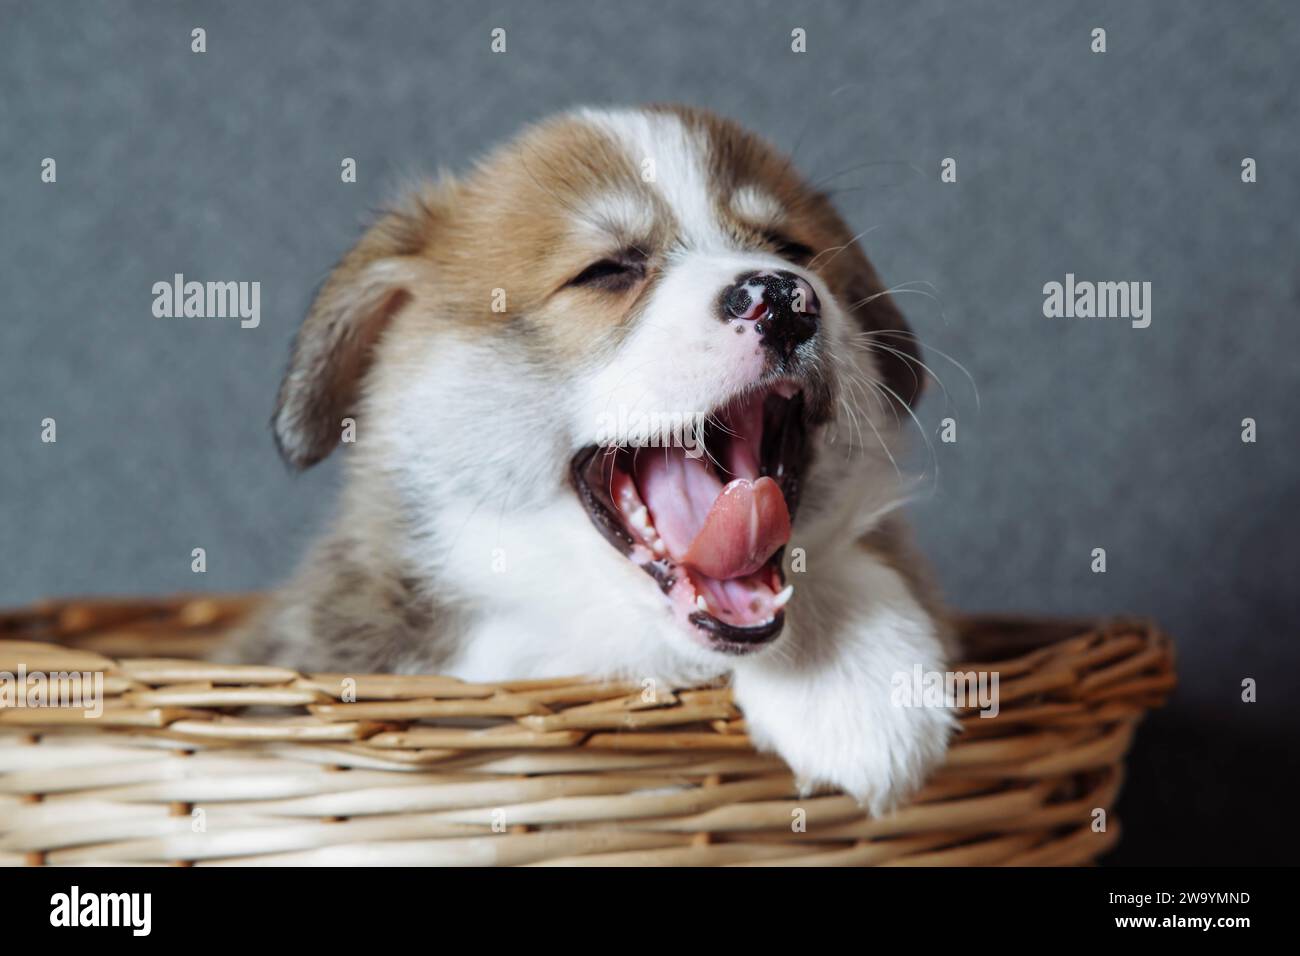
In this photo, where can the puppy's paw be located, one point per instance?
(847, 738)
(827, 703)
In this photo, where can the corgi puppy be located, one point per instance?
(624, 401)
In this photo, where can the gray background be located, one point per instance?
(1122, 166)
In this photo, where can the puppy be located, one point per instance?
(624, 402)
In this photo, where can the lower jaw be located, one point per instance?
(705, 629)
(723, 638)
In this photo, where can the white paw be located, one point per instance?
(826, 702)
(847, 739)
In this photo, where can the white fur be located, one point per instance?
(822, 697)
(616, 215)
(679, 173)
(678, 358)
(755, 206)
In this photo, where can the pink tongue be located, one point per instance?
(748, 522)
(723, 533)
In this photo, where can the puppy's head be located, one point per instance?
(639, 326)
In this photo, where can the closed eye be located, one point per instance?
(787, 248)
(615, 273)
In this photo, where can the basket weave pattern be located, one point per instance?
(199, 764)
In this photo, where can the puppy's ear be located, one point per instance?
(886, 334)
(333, 349)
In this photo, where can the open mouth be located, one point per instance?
(709, 519)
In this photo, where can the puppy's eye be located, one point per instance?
(615, 273)
(789, 249)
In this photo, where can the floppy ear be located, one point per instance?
(335, 345)
(887, 336)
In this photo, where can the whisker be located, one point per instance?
(919, 427)
(912, 360)
(928, 348)
(895, 290)
(866, 165)
(812, 263)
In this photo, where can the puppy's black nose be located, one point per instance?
(782, 306)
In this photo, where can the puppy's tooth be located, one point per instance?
(657, 546)
(702, 604)
(783, 598)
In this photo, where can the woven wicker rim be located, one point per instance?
(195, 763)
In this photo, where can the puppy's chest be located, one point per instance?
(524, 645)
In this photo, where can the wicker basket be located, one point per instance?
(196, 763)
